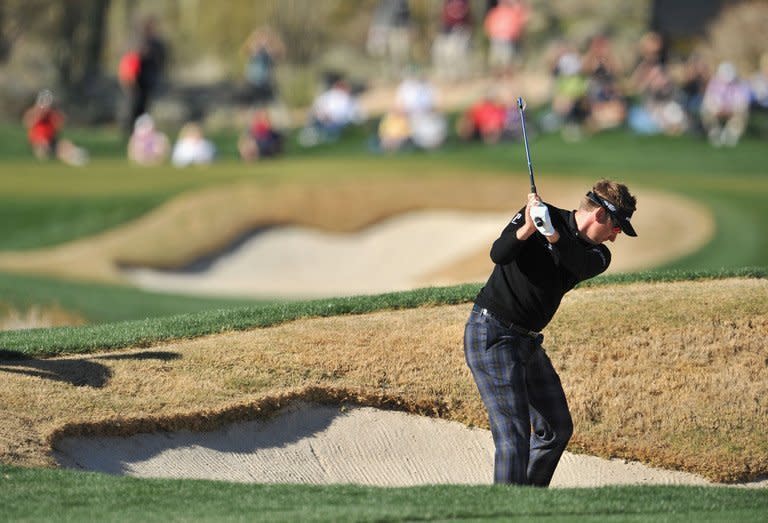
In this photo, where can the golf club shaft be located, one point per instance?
(520, 106)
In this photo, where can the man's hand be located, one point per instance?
(541, 219)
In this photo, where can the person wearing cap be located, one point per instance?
(542, 253)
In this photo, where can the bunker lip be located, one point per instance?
(329, 444)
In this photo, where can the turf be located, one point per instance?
(158, 325)
(49, 495)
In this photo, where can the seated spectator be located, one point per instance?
(570, 106)
(147, 145)
(192, 148)
(44, 122)
(415, 94)
(485, 120)
(261, 139)
(659, 109)
(725, 107)
(394, 132)
(332, 112)
(428, 129)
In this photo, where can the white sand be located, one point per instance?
(296, 261)
(406, 252)
(323, 445)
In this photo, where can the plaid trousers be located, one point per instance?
(520, 390)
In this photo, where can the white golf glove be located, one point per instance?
(541, 219)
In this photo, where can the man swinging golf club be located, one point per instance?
(541, 254)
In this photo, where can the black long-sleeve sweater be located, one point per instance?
(531, 276)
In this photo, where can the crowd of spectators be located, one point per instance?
(592, 90)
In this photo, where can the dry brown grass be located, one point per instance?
(206, 221)
(672, 374)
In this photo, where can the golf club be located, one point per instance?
(521, 107)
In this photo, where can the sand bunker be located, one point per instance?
(293, 261)
(325, 445)
(412, 250)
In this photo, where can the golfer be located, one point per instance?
(542, 254)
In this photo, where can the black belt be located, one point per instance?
(508, 325)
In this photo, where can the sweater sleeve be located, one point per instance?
(508, 246)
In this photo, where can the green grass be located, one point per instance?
(55, 495)
(90, 338)
(46, 204)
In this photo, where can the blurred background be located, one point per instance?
(103, 103)
(74, 48)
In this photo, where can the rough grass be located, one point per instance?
(671, 374)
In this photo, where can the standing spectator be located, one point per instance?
(450, 49)
(147, 145)
(141, 70)
(261, 139)
(44, 122)
(262, 49)
(389, 35)
(725, 107)
(192, 148)
(758, 83)
(504, 25)
(602, 69)
(696, 75)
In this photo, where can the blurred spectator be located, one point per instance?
(758, 84)
(147, 145)
(695, 77)
(261, 139)
(658, 107)
(389, 35)
(415, 94)
(44, 122)
(570, 106)
(192, 148)
(606, 105)
(485, 120)
(504, 25)
(333, 111)
(428, 129)
(394, 131)
(141, 70)
(725, 107)
(263, 48)
(450, 48)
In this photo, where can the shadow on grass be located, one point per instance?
(77, 372)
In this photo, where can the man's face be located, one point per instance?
(603, 228)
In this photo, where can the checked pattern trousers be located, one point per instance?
(521, 391)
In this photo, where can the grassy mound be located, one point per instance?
(667, 373)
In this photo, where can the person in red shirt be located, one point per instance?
(44, 122)
(486, 120)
